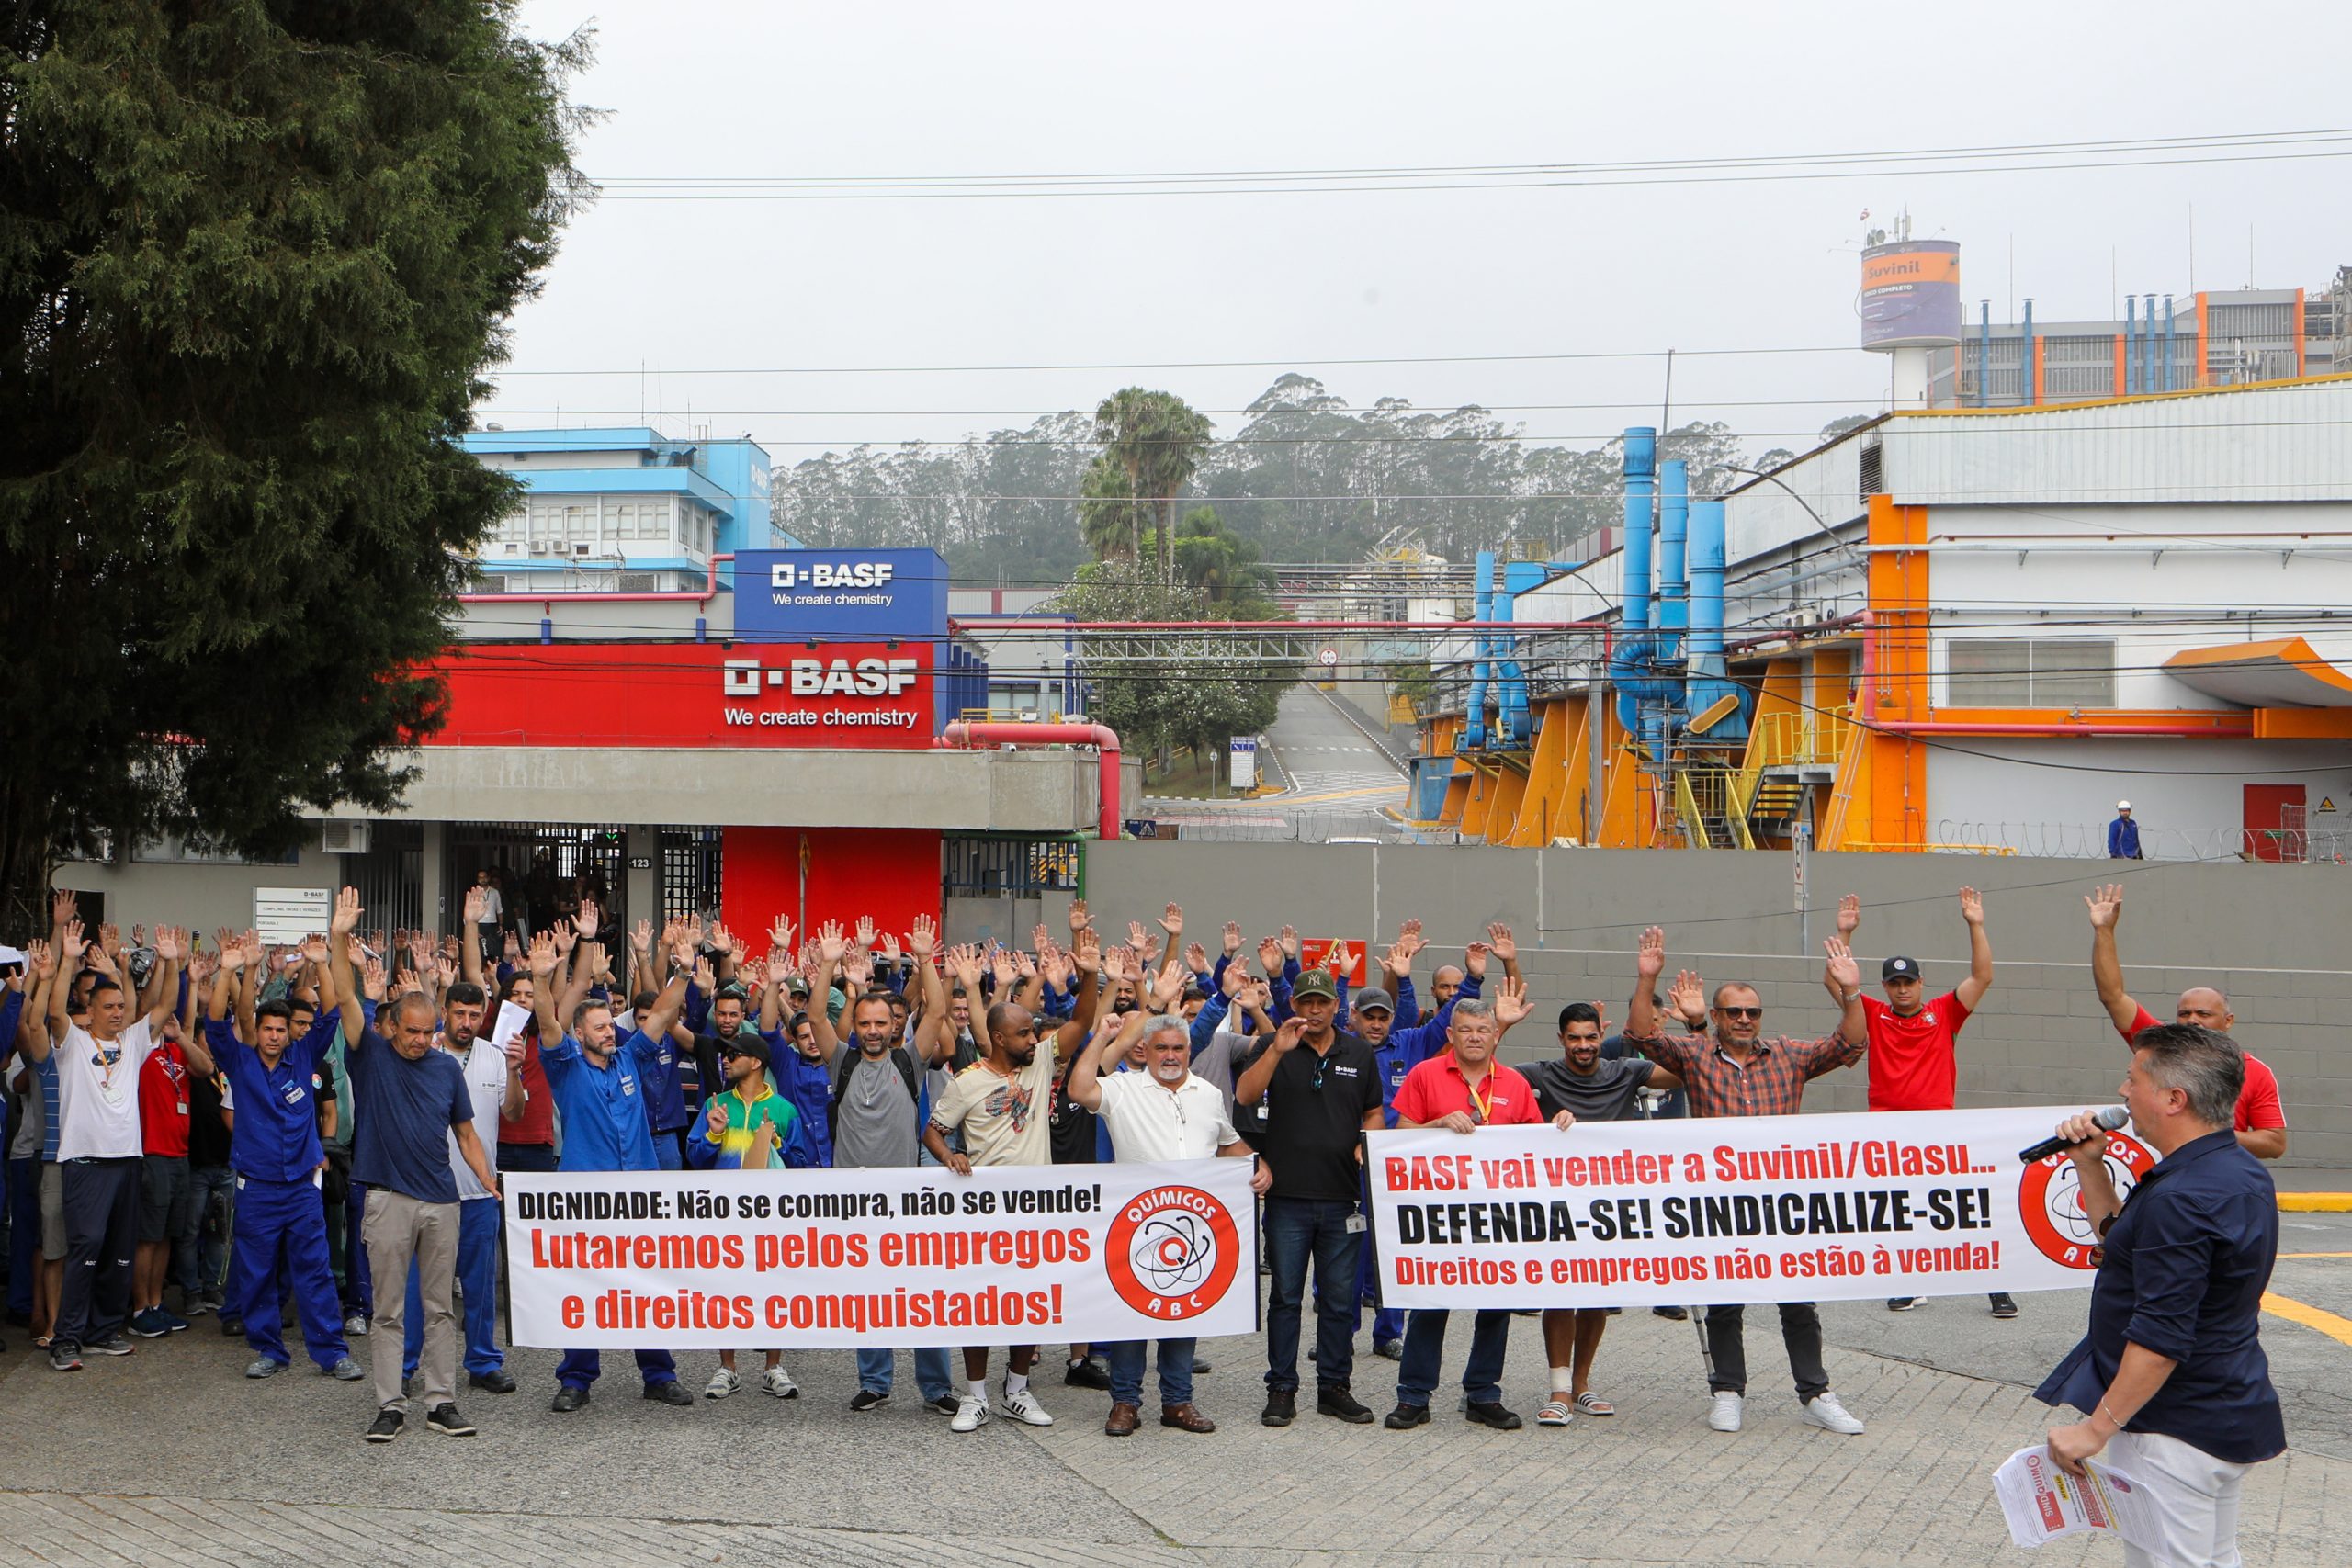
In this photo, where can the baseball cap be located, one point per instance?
(1372, 999)
(746, 1043)
(1898, 969)
(1317, 982)
(2123, 806)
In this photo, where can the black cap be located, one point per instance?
(1898, 969)
(746, 1043)
(1372, 999)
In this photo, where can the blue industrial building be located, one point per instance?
(621, 509)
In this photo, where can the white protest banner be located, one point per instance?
(864, 1258)
(1732, 1210)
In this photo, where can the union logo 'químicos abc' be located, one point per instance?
(1173, 1252)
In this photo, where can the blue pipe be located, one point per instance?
(1673, 536)
(1709, 680)
(2130, 345)
(2148, 357)
(2025, 358)
(1516, 722)
(1984, 354)
(2168, 342)
(1629, 661)
(1474, 732)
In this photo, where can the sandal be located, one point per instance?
(1593, 1404)
(1555, 1413)
(41, 1342)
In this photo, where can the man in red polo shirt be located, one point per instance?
(2261, 1118)
(1914, 1042)
(1462, 1090)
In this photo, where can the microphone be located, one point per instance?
(2107, 1119)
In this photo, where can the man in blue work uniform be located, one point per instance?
(598, 1082)
(274, 1147)
(2123, 834)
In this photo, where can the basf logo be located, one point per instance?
(789, 594)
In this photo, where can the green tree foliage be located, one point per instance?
(1304, 478)
(1156, 439)
(253, 257)
(1192, 694)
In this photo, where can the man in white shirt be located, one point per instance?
(1165, 1112)
(98, 1143)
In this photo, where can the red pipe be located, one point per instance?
(2220, 731)
(1073, 733)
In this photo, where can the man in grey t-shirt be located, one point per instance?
(1597, 1090)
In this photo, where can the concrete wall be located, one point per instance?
(2271, 935)
(201, 896)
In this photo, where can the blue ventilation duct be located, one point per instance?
(1673, 614)
(1514, 721)
(1708, 684)
(1629, 661)
(1474, 731)
(2130, 346)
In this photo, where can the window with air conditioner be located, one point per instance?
(2035, 672)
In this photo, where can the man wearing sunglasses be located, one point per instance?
(1738, 1070)
(1320, 1089)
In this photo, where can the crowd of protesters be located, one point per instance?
(238, 1129)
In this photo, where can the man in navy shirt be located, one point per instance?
(274, 1147)
(416, 1098)
(2172, 1371)
(598, 1081)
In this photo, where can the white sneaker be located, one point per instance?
(778, 1381)
(1725, 1417)
(722, 1382)
(1023, 1407)
(1824, 1411)
(971, 1414)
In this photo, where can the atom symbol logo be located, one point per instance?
(2049, 1200)
(1172, 1253)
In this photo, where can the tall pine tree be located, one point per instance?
(255, 255)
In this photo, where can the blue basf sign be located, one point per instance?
(847, 593)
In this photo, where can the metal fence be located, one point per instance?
(2087, 841)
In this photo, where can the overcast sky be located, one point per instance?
(699, 89)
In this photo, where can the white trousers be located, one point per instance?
(2198, 1495)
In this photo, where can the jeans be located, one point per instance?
(24, 1233)
(1297, 1229)
(1175, 1370)
(580, 1368)
(200, 1261)
(478, 1278)
(876, 1369)
(1800, 1331)
(1482, 1379)
(101, 1229)
(668, 1151)
(535, 1158)
(358, 1295)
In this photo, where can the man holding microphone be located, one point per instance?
(2172, 1371)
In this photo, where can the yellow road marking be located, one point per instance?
(2315, 1255)
(2327, 1323)
(2316, 1203)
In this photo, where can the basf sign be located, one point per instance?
(860, 593)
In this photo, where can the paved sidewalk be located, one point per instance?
(170, 1457)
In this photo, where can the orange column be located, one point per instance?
(1898, 596)
(2298, 331)
(2202, 373)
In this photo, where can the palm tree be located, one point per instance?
(1108, 518)
(1157, 439)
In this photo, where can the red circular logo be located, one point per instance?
(2049, 1200)
(1172, 1253)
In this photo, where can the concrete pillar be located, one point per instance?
(432, 873)
(641, 884)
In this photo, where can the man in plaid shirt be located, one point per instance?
(1738, 1070)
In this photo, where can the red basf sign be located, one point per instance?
(688, 694)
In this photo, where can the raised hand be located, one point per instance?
(1232, 980)
(1290, 941)
(922, 938)
(588, 919)
(1232, 938)
(1088, 953)
(1398, 960)
(1409, 938)
(1173, 922)
(1286, 1037)
(110, 938)
(171, 943)
(1850, 915)
(43, 959)
(723, 940)
(1001, 967)
(477, 907)
(1196, 958)
(1172, 980)
(1118, 964)
(566, 937)
(446, 969)
(139, 934)
(865, 933)
(965, 960)
(371, 978)
(1687, 997)
(1025, 966)
(1649, 956)
(1510, 1002)
(232, 954)
(1971, 907)
(513, 951)
(1338, 959)
(315, 948)
(705, 976)
(61, 906)
(891, 951)
(2106, 907)
(832, 942)
(1841, 969)
(1500, 943)
(1270, 953)
(1474, 960)
(640, 938)
(1078, 920)
(543, 956)
(1135, 937)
